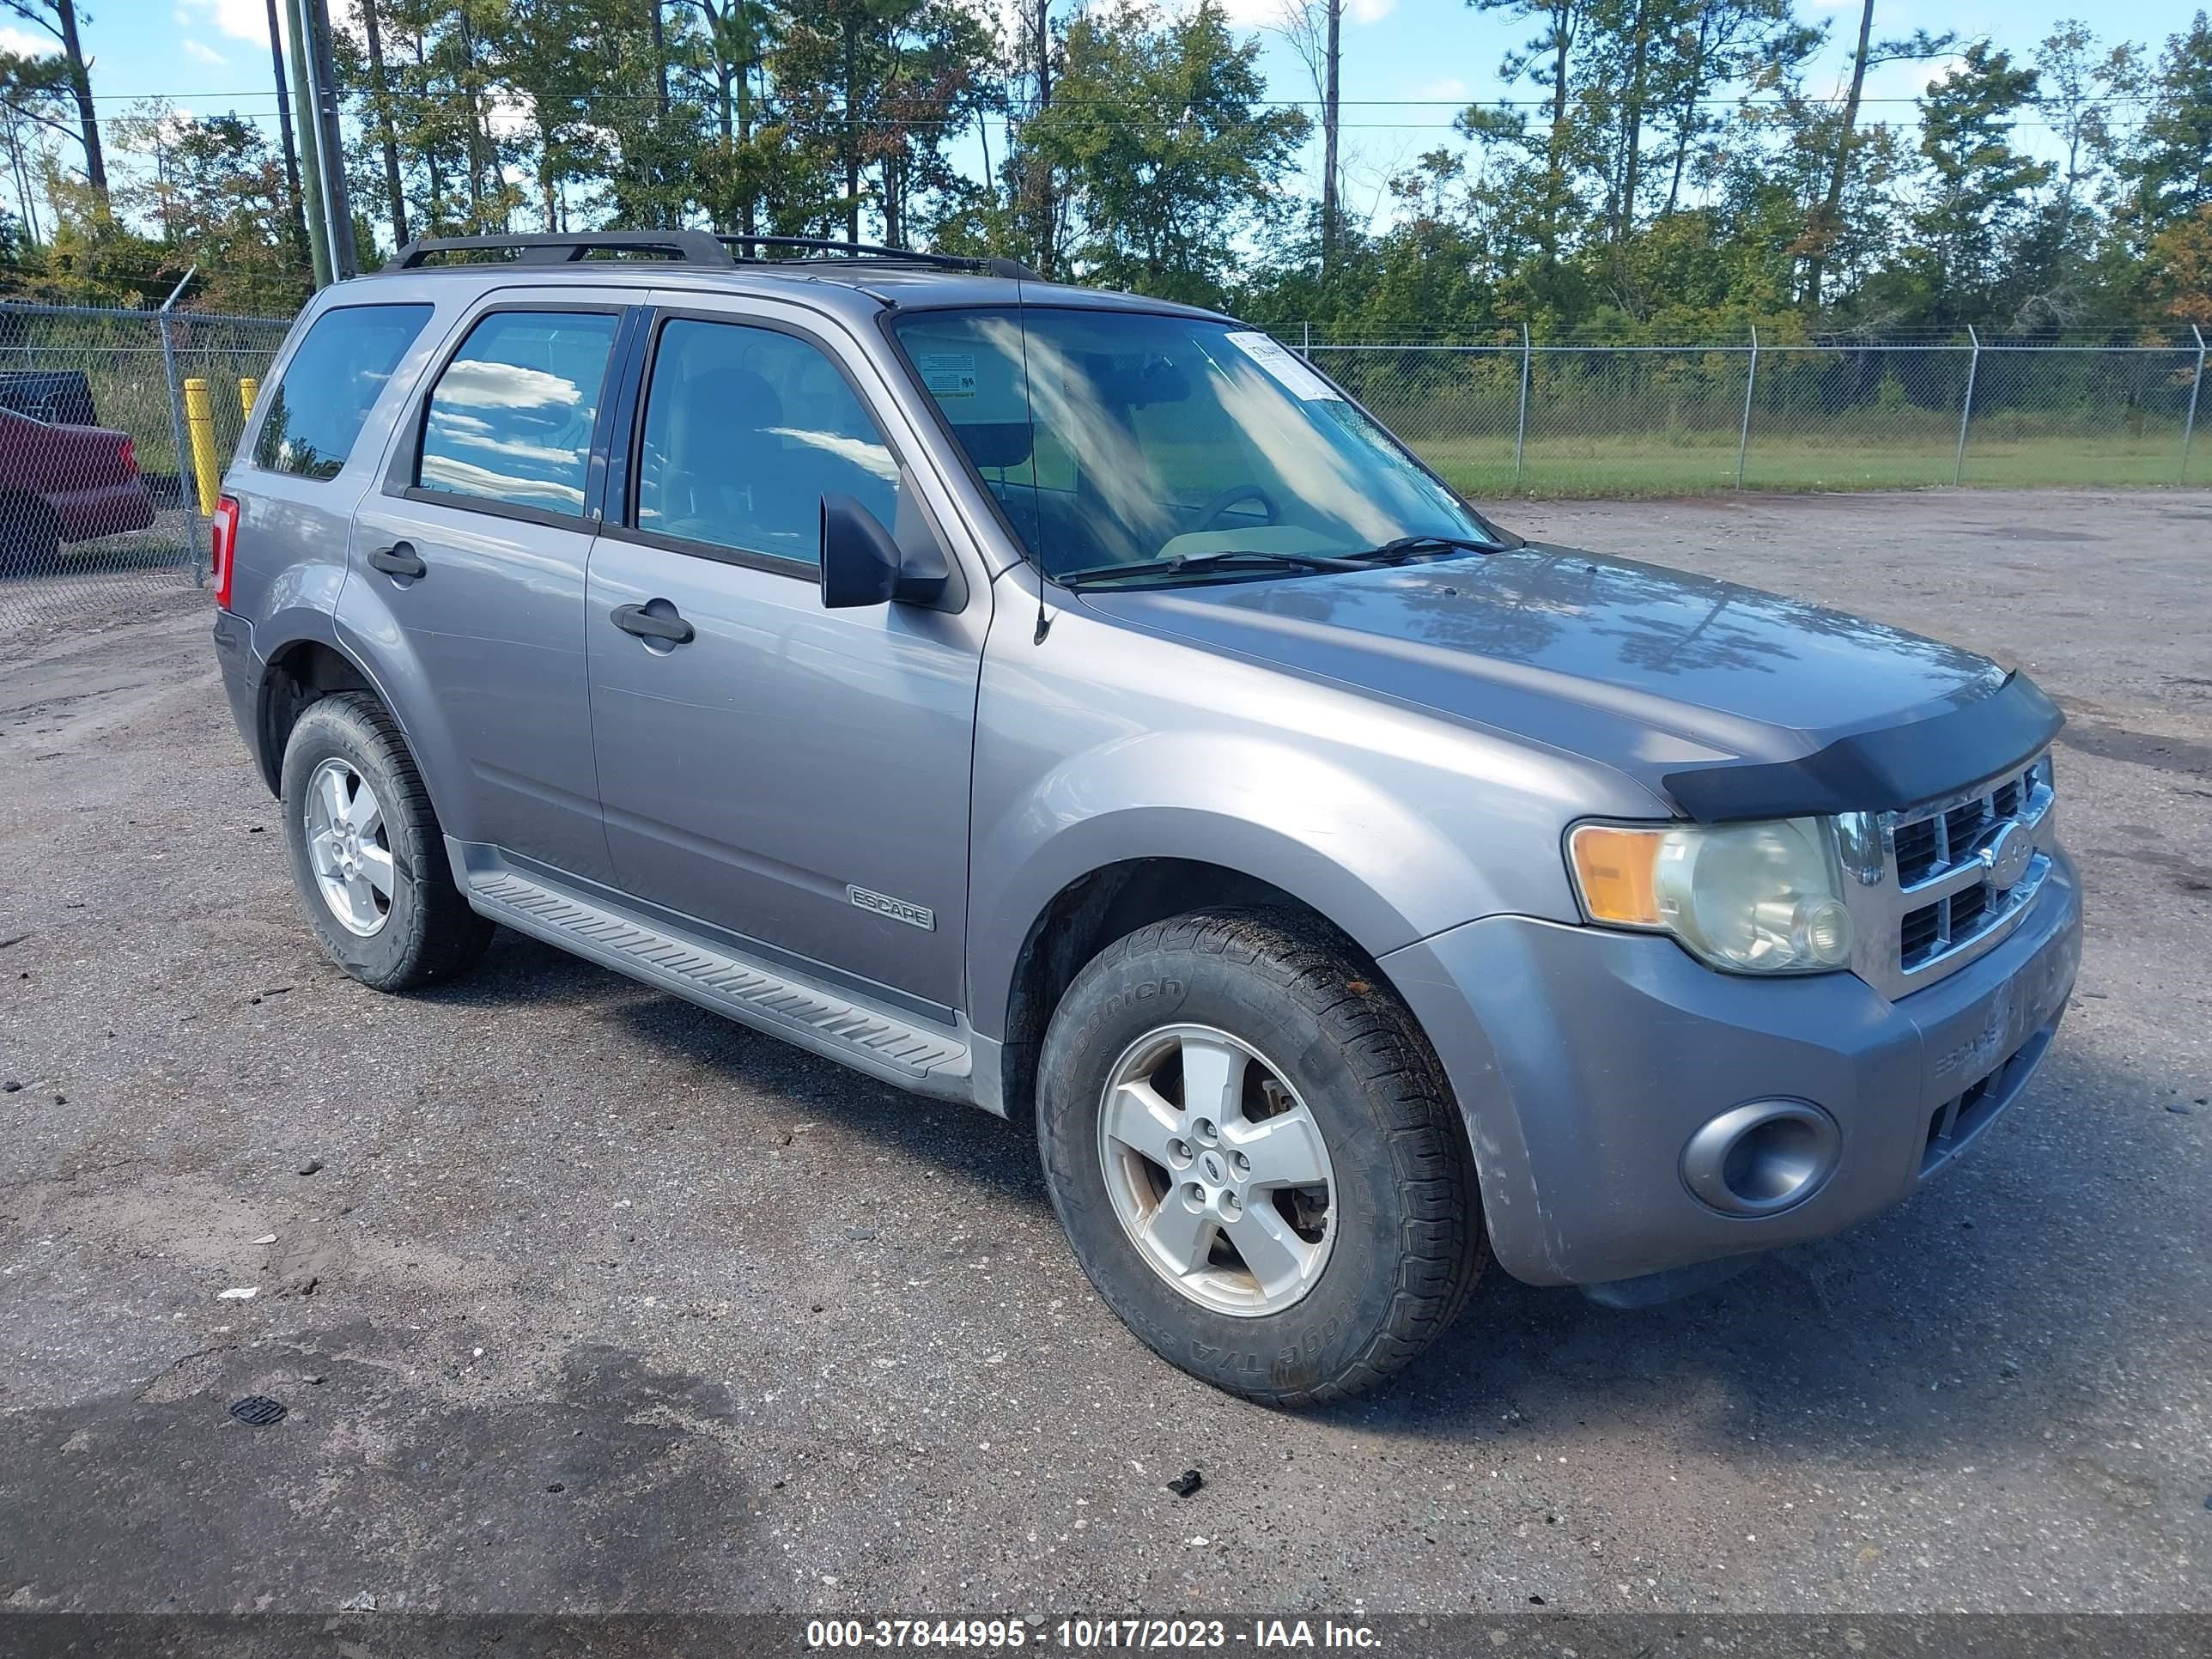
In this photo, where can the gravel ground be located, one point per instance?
(580, 1298)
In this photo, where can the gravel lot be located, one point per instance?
(593, 1301)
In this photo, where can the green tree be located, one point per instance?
(59, 19)
(1160, 128)
(2168, 169)
(1979, 197)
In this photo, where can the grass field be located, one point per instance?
(1571, 467)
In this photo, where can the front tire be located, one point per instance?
(367, 856)
(1255, 1157)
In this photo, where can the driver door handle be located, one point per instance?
(398, 559)
(651, 625)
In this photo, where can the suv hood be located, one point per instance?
(1647, 669)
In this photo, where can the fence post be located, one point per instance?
(2188, 426)
(1966, 414)
(1750, 381)
(177, 431)
(1521, 431)
(1306, 342)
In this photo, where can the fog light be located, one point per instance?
(1762, 1157)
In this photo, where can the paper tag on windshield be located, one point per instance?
(948, 373)
(1284, 365)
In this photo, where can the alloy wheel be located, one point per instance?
(1217, 1169)
(348, 848)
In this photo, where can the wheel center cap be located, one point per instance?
(1216, 1171)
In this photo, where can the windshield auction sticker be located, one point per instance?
(948, 373)
(1285, 365)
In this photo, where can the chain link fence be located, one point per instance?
(113, 424)
(1523, 419)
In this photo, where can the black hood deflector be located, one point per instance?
(1880, 770)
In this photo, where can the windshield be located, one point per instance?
(1115, 438)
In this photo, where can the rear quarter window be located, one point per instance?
(317, 411)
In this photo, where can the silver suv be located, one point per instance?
(1075, 704)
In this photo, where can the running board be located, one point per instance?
(885, 1042)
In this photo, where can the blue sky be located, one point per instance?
(1409, 64)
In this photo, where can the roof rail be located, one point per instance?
(991, 265)
(690, 247)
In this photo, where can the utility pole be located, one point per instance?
(1332, 124)
(311, 171)
(284, 125)
(330, 141)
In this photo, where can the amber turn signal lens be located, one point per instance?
(1617, 869)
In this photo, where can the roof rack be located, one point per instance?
(990, 264)
(690, 247)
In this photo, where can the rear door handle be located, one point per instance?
(398, 559)
(654, 624)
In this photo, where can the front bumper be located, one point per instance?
(1584, 1060)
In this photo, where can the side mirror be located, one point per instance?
(862, 563)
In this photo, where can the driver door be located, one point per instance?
(794, 775)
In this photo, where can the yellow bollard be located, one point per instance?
(199, 416)
(248, 390)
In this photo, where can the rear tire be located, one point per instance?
(367, 856)
(30, 537)
(1362, 1249)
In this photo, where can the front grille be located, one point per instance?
(1917, 850)
(1945, 900)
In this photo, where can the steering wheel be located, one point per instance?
(1211, 514)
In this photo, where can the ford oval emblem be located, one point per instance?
(2008, 856)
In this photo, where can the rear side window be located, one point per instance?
(333, 379)
(510, 420)
(746, 430)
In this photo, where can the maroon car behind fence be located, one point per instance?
(63, 483)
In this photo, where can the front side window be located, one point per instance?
(317, 409)
(746, 430)
(510, 420)
(1116, 439)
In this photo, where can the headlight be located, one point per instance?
(1756, 898)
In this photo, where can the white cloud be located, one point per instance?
(1370, 11)
(24, 44)
(240, 19)
(200, 52)
(1449, 90)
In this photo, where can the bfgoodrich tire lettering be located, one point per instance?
(430, 932)
(1407, 1243)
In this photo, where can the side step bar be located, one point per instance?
(891, 1043)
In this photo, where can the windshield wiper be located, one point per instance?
(1181, 564)
(1403, 548)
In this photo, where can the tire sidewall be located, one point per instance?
(30, 536)
(326, 730)
(1115, 1002)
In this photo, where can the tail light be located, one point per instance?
(223, 546)
(129, 458)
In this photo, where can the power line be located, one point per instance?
(959, 124)
(1718, 101)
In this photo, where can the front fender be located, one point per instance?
(1293, 819)
(1101, 743)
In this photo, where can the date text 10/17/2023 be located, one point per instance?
(1089, 1635)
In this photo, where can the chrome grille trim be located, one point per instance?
(1948, 910)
